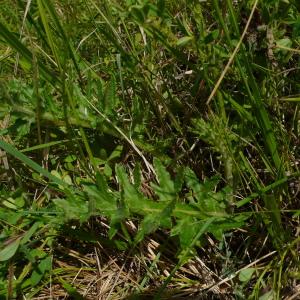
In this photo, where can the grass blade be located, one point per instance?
(30, 163)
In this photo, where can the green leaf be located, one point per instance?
(110, 99)
(149, 224)
(179, 179)
(72, 291)
(44, 266)
(119, 215)
(194, 184)
(166, 189)
(46, 5)
(107, 171)
(132, 197)
(137, 176)
(116, 153)
(184, 40)
(70, 158)
(30, 232)
(101, 200)
(152, 222)
(9, 203)
(33, 255)
(33, 165)
(9, 250)
(186, 229)
(74, 208)
(246, 274)
(206, 198)
(284, 43)
(227, 223)
(211, 36)
(12, 40)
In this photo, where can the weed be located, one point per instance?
(152, 136)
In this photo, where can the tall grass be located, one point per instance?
(163, 133)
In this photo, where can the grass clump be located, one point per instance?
(149, 149)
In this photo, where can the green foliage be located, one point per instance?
(9, 250)
(202, 202)
(103, 116)
(245, 275)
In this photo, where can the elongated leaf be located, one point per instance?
(30, 232)
(12, 40)
(30, 163)
(48, 6)
(48, 31)
(184, 40)
(137, 176)
(9, 250)
(110, 99)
